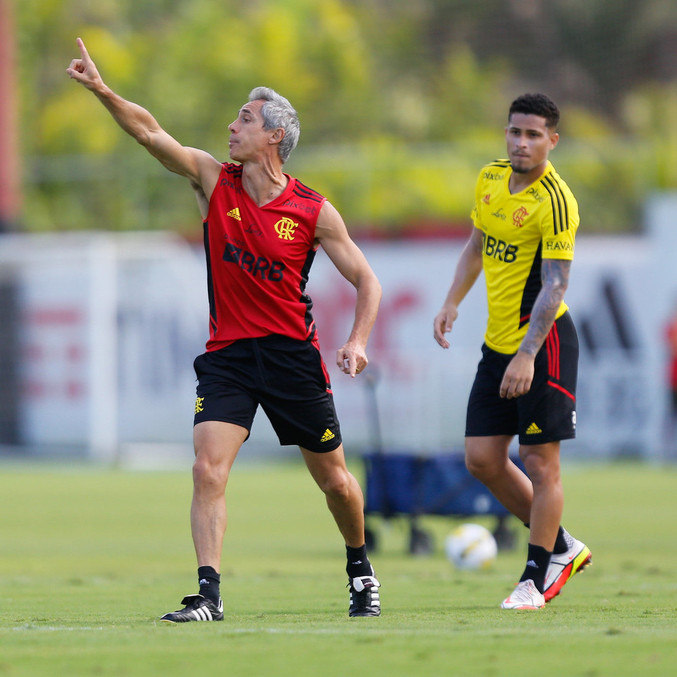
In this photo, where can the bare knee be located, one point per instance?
(336, 484)
(216, 446)
(485, 463)
(478, 467)
(208, 475)
(542, 469)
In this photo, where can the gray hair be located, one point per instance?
(278, 112)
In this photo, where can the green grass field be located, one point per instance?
(89, 559)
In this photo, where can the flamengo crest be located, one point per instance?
(285, 229)
(519, 215)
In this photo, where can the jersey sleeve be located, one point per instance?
(559, 222)
(475, 213)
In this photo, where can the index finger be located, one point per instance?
(503, 388)
(83, 49)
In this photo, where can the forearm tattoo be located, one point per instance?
(554, 280)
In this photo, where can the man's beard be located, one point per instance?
(519, 170)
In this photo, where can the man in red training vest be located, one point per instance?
(262, 228)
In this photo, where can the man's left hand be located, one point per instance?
(518, 376)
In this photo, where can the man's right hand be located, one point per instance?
(442, 324)
(84, 70)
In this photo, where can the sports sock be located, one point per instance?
(538, 559)
(358, 562)
(561, 542)
(209, 582)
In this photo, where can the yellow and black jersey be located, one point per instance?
(518, 231)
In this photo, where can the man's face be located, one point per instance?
(529, 142)
(247, 135)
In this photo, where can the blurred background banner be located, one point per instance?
(102, 281)
(110, 325)
(108, 328)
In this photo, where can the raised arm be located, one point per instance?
(198, 166)
(520, 372)
(468, 268)
(332, 234)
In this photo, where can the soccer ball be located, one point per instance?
(471, 546)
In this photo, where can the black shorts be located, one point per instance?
(547, 413)
(287, 377)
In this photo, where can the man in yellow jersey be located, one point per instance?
(525, 221)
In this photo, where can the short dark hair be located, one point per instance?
(536, 104)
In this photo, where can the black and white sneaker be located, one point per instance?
(198, 608)
(364, 596)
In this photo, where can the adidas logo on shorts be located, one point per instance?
(328, 435)
(533, 429)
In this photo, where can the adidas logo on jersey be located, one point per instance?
(328, 435)
(533, 429)
(235, 214)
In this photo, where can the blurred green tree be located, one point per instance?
(400, 103)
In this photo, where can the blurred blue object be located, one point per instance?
(403, 484)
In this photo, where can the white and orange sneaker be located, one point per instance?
(564, 566)
(524, 597)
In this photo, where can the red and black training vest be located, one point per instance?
(258, 261)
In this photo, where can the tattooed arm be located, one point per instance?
(520, 372)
